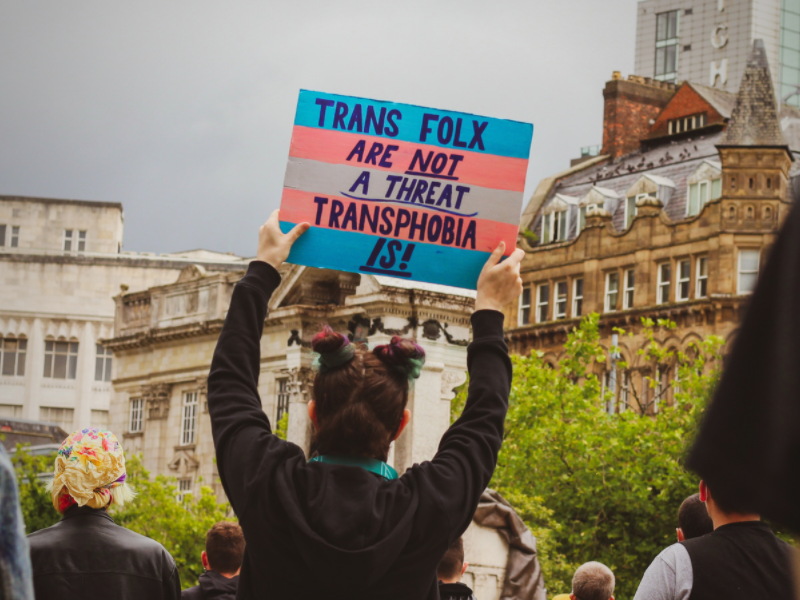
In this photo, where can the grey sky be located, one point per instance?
(183, 110)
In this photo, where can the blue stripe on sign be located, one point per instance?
(499, 137)
(349, 251)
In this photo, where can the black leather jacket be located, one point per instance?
(86, 552)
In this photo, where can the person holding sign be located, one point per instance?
(344, 524)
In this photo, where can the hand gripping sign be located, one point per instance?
(401, 190)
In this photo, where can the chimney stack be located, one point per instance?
(629, 107)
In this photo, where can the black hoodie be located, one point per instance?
(212, 586)
(316, 530)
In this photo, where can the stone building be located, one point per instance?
(61, 263)
(164, 338)
(671, 221)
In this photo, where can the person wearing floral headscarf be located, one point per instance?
(86, 548)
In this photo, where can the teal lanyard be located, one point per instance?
(373, 465)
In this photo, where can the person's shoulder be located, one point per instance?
(137, 541)
(673, 555)
(192, 593)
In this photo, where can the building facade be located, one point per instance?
(61, 264)
(677, 228)
(708, 41)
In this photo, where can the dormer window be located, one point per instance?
(683, 124)
(700, 193)
(555, 218)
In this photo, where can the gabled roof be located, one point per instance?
(754, 119)
(722, 101)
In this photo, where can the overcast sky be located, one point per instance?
(183, 110)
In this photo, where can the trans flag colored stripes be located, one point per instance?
(401, 190)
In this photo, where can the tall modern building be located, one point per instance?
(708, 41)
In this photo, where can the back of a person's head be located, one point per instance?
(452, 562)
(728, 504)
(693, 518)
(225, 547)
(361, 394)
(593, 581)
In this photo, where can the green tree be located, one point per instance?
(595, 486)
(35, 500)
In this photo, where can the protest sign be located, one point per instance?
(402, 190)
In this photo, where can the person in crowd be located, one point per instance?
(450, 571)
(740, 559)
(86, 550)
(344, 524)
(592, 581)
(222, 561)
(693, 519)
(15, 562)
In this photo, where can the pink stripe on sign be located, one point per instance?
(485, 170)
(401, 221)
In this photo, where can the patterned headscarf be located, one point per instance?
(89, 464)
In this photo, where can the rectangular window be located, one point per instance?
(748, 270)
(15, 237)
(81, 241)
(546, 224)
(136, 420)
(630, 208)
(102, 365)
(282, 398)
(13, 353)
(664, 280)
(189, 418)
(612, 291)
(666, 68)
(68, 240)
(184, 489)
(684, 278)
(560, 226)
(701, 289)
(524, 316)
(63, 417)
(577, 297)
(561, 300)
(100, 419)
(630, 280)
(543, 303)
(2, 235)
(716, 188)
(10, 411)
(60, 359)
(581, 219)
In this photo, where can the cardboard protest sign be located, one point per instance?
(401, 190)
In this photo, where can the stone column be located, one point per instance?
(34, 369)
(301, 379)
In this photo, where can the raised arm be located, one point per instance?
(467, 456)
(242, 435)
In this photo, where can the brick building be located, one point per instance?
(672, 220)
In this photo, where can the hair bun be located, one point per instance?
(402, 355)
(334, 349)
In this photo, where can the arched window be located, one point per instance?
(752, 183)
(733, 183)
(749, 212)
(767, 213)
(732, 212)
(769, 182)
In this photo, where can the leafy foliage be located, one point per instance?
(593, 485)
(156, 512)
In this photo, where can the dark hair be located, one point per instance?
(361, 394)
(452, 562)
(593, 581)
(693, 518)
(727, 502)
(225, 547)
